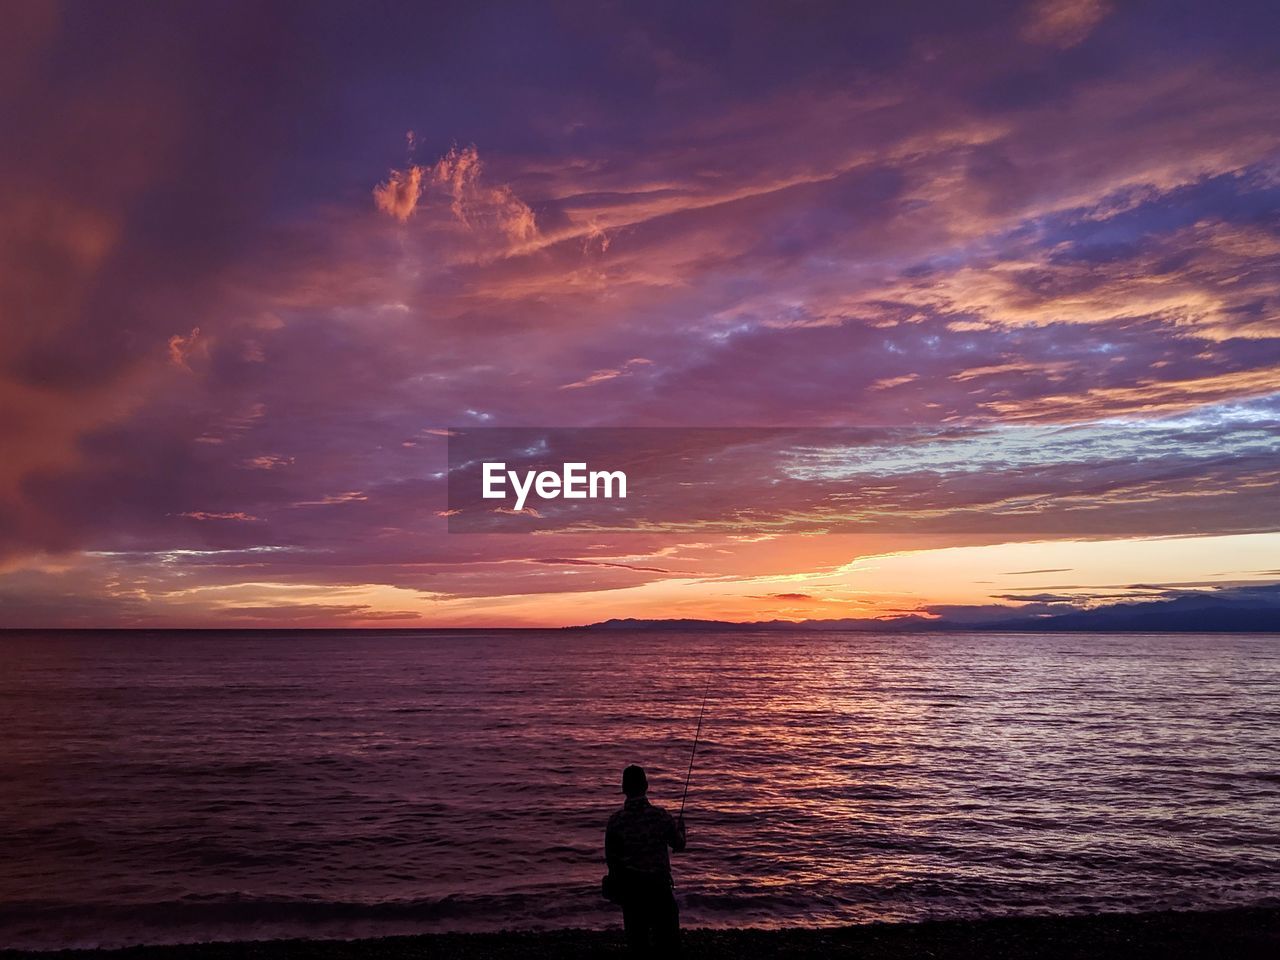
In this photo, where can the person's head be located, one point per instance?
(634, 782)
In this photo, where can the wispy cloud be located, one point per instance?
(609, 373)
(398, 195)
(458, 178)
(1063, 23)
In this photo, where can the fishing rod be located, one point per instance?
(694, 752)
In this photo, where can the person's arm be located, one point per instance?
(677, 837)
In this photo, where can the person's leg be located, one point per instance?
(635, 923)
(666, 919)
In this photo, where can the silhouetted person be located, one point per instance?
(635, 848)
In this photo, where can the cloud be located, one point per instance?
(313, 614)
(523, 512)
(349, 496)
(398, 195)
(481, 206)
(268, 462)
(458, 178)
(888, 383)
(1063, 23)
(207, 515)
(611, 373)
(181, 348)
(566, 561)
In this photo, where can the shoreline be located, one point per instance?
(1243, 932)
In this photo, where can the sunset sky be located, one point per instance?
(260, 259)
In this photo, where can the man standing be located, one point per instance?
(635, 848)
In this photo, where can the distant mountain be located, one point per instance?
(715, 626)
(1242, 610)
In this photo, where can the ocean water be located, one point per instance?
(174, 787)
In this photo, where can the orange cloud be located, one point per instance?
(1146, 397)
(607, 374)
(474, 204)
(398, 195)
(181, 348)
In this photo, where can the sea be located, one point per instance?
(168, 787)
